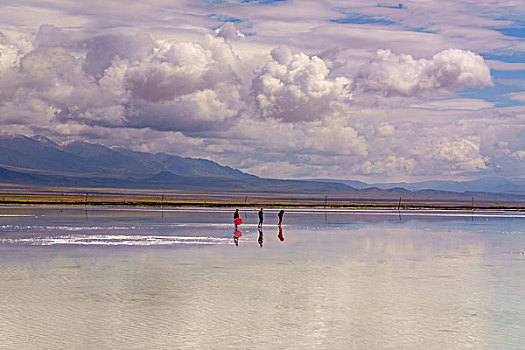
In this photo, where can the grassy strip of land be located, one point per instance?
(10, 195)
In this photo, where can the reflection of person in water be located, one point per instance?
(280, 235)
(280, 215)
(236, 235)
(261, 238)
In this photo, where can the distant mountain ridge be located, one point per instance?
(39, 161)
(78, 157)
(492, 184)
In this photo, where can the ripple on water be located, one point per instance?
(116, 240)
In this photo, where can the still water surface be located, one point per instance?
(174, 279)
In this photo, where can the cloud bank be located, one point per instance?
(274, 110)
(403, 75)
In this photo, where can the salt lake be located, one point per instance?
(146, 278)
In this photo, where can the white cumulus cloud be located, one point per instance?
(402, 75)
(277, 111)
(296, 87)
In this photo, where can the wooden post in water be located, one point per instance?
(472, 204)
(245, 214)
(399, 204)
(325, 216)
(85, 206)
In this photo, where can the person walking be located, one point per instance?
(261, 217)
(236, 218)
(280, 215)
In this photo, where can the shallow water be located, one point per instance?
(147, 279)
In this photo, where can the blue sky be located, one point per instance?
(368, 90)
(358, 18)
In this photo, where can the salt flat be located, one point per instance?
(147, 279)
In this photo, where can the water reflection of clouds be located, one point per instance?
(398, 287)
(366, 286)
(402, 241)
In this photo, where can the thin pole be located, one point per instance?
(85, 206)
(399, 204)
(245, 215)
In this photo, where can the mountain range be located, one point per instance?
(39, 153)
(491, 184)
(39, 161)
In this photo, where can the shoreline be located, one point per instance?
(93, 205)
(103, 197)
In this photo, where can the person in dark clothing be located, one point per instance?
(261, 217)
(280, 215)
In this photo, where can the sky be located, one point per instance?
(378, 91)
